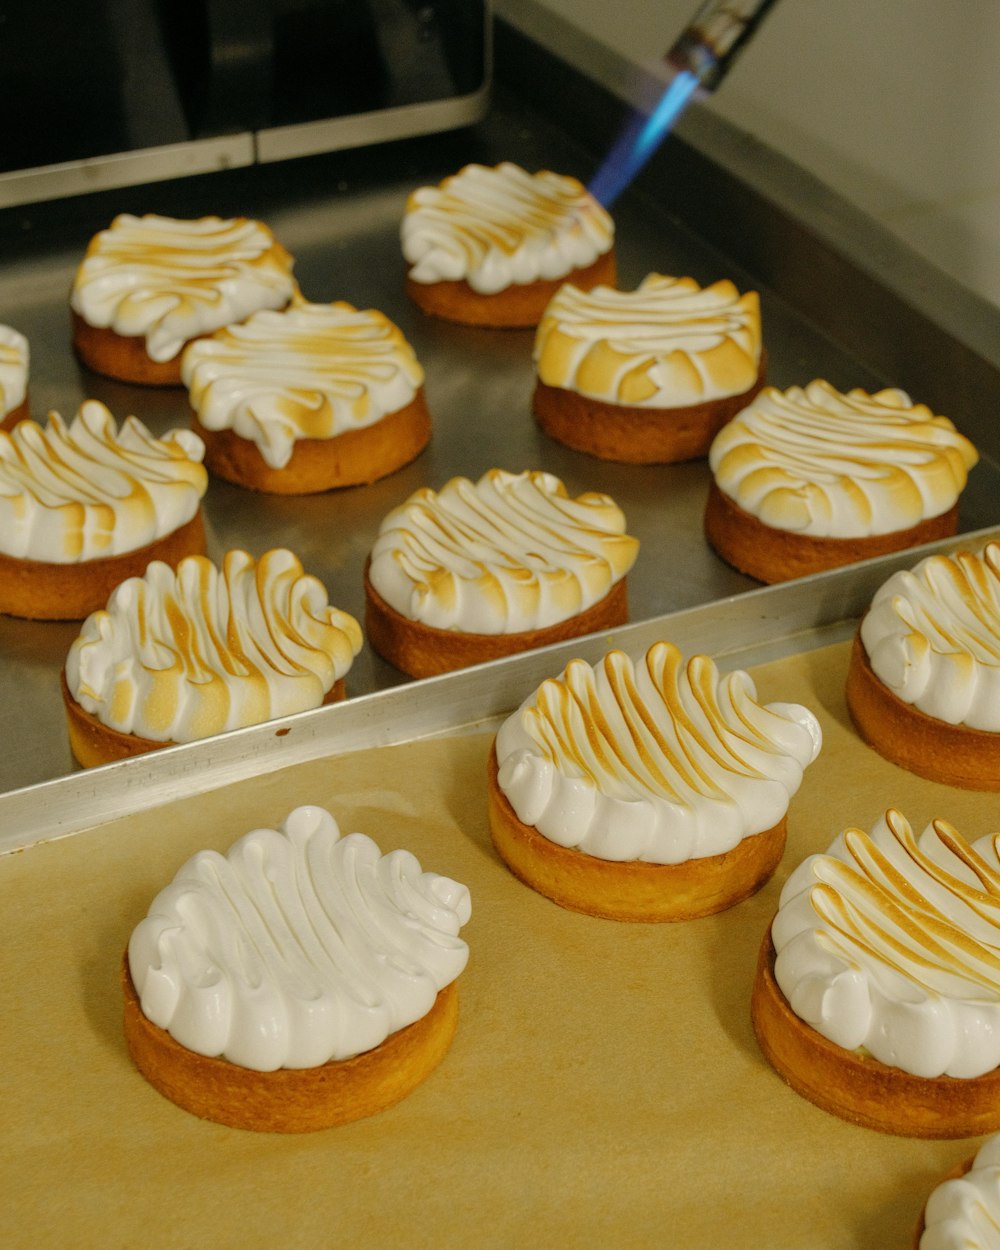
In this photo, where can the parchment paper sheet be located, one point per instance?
(604, 1089)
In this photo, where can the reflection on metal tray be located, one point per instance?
(339, 215)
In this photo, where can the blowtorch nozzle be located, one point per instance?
(698, 61)
(710, 43)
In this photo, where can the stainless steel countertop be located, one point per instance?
(339, 216)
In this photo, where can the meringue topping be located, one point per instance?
(169, 280)
(509, 553)
(891, 943)
(501, 226)
(932, 635)
(668, 344)
(963, 1212)
(298, 946)
(176, 656)
(831, 465)
(312, 371)
(662, 761)
(14, 357)
(89, 490)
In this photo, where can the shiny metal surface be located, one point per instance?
(339, 215)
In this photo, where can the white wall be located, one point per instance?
(893, 103)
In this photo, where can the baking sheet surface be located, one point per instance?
(604, 1088)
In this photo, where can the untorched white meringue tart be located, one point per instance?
(299, 981)
(491, 245)
(646, 376)
(14, 360)
(149, 285)
(811, 478)
(87, 504)
(480, 570)
(179, 655)
(877, 993)
(306, 399)
(923, 686)
(650, 790)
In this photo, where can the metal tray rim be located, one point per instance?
(739, 631)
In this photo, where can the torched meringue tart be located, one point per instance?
(648, 791)
(646, 376)
(84, 506)
(177, 656)
(481, 570)
(300, 981)
(149, 285)
(490, 246)
(923, 685)
(963, 1211)
(877, 993)
(307, 399)
(14, 359)
(811, 479)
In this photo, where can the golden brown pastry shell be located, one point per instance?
(519, 306)
(629, 890)
(423, 651)
(858, 1088)
(94, 743)
(354, 458)
(122, 356)
(635, 435)
(954, 754)
(69, 592)
(774, 555)
(290, 1100)
(22, 412)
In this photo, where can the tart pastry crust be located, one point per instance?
(519, 306)
(633, 435)
(22, 412)
(354, 458)
(69, 592)
(423, 651)
(94, 743)
(290, 1100)
(857, 1087)
(121, 356)
(774, 555)
(631, 890)
(954, 754)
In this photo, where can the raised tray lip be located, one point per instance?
(738, 631)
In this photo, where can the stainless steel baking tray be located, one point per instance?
(339, 215)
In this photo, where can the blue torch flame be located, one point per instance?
(640, 139)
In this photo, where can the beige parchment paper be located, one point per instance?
(604, 1089)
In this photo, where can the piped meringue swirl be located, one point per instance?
(14, 357)
(662, 761)
(176, 656)
(312, 371)
(932, 635)
(298, 946)
(668, 344)
(169, 280)
(89, 490)
(501, 226)
(509, 553)
(963, 1213)
(891, 942)
(817, 462)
